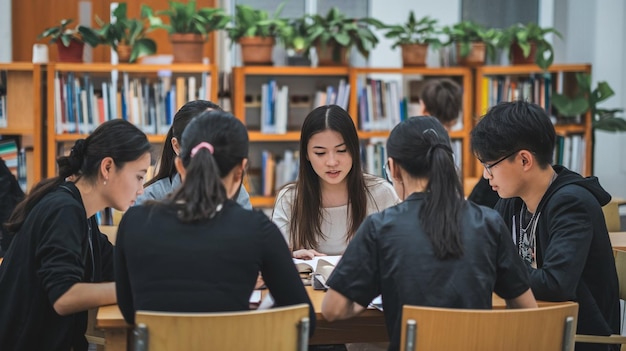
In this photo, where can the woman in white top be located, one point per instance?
(321, 211)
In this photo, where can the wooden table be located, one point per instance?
(368, 326)
(618, 240)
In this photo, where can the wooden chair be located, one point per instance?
(537, 329)
(285, 328)
(620, 265)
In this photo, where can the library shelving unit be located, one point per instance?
(304, 85)
(20, 104)
(83, 95)
(529, 82)
(407, 91)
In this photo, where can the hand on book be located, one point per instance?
(306, 254)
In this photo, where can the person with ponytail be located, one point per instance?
(197, 250)
(433, 249)
(167, 179)
(58, 264)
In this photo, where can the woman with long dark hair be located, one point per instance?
(320, 212)
(204, 251)
(167, 179)
(54, 269)
(434, 248)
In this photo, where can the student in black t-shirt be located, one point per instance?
(434, 248)
(198, 250)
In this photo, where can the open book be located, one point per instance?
(319, 268)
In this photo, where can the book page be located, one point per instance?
(309, 266)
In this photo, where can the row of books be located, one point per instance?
(82, 103)
(536, 88)
(381, 105)
(374, 156)
(15, 160)
(275, 102)
(570, 152)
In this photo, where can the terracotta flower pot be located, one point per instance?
(123, 53)
(517, 55)
(476, 56)
(414, 55)
(187, 48)
(72, 53)
(256, 50)
(329, 55)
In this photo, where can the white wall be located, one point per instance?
(5, 31)
(397, 11)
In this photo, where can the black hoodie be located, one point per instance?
(574, 255)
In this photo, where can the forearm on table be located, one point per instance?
(83, 296)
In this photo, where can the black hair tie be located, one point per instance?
(77, 155)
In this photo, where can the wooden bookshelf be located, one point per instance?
(461, 75)
(561, 78)
(115, 75)
(24, 118)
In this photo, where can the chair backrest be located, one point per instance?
(284, 328)
(611, 216)
(620, 266)
(537, 329)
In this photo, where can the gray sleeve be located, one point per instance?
(155, 191)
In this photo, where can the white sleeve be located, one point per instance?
(281, 216)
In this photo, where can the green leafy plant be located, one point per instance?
(524, 35)
(62, 33)
(347, 32)
(413, 31)
(466, 32)
(586, 99)
(251, 22)
(123, 31)
(294, 36)
(184, 18)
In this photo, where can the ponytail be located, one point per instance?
(421, 146)
(440, 215)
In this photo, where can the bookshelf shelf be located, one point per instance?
(262, 201)
(493, 84)
(21, 103)
(81, 96)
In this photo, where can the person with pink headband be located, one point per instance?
(219, 247)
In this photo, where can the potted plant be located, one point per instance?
(335, 34)
(586, 99)
(296, 42)
(188, 27)
(127, 36)
(70, 48)
(255, 31)
(473, 42)
(414, 37)
(527, 44)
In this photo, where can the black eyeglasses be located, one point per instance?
(489, 166)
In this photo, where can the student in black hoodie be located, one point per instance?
(555, 215)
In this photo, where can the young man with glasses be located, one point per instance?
(555, 215)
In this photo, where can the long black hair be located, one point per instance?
(181, 119)
(203, 192)
(421, 146)
(118, 139)
(306, 216)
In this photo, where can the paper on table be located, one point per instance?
(377, 303)
(256, 296)
(309, 266)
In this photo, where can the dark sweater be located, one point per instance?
(163, 264)
(48, 255)
(574, 256)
